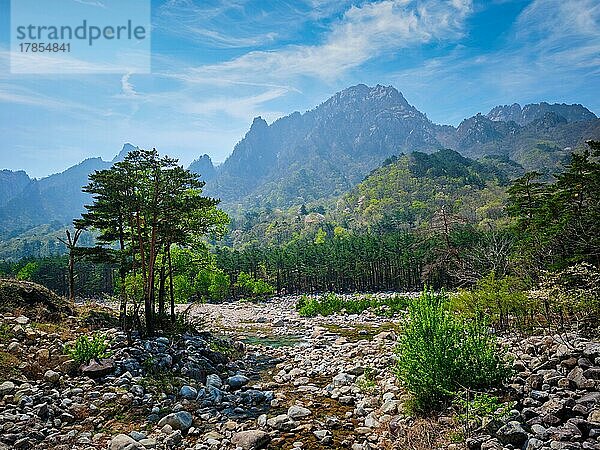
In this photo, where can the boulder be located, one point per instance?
(98, 368)
(251, 439)
(181, 420)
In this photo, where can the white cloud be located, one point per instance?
(364, 32)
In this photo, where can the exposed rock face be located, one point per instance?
(534, 111)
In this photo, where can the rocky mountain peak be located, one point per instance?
(127, 147)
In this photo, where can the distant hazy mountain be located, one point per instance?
(323, 152)
(54, 198)
(11, 184)
(535, 111)
(203, 166)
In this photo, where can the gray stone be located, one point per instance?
(8, 387)
(237, 381)
(251, 439)
(512, 433)
(298, 412)
(188, 392)
(97, 369)
(181, 420)
(214, 381)
(124, 442)
(51, 376)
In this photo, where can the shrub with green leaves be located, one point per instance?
(502, 300)
(85, 348)
(440, 353)
(331, 303)
(248, 286)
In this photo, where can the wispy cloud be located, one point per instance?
(363, 33)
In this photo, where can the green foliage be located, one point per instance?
(477, 406)
(560, 221)
(500, 300)
(248, 286)
(366, 381)
(85, 349)
(28, 271)
(440, 353)
(331, 303)
(570, 293)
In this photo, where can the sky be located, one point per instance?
(217, 64)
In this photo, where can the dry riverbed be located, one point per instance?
(264, 377)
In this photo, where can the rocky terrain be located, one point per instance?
(266, 378)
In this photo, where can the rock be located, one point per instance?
(124, 442)
(188, 392)
(576, 376)
(6, 388)
(343, 379)
(281, 422)
(22, 320)
(512, 433)
(251, 439)
(214, 381)
(97, 369)
(237, 381)
(181, 420)
(14, 347)
(51, 376)
(298, 412)
(324, 436)
(148, 443)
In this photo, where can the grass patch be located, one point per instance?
(331, 303)
(85, 349)
(440, 353)
(8, 365)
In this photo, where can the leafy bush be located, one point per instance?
(86, 349)
(439, 353)
(331, 303)
(502, 300)
(248, 286)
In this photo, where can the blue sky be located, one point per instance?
(216, 64)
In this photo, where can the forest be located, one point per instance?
(439, 220)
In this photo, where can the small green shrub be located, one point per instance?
(85, 349)
(440, 353)
(331, 303)
(481, 405)
(366, 382)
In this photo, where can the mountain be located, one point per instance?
(57, 198)
(11, 184)
(534, 111)
(124, 151)
(204, 167)
(324, 152)
(316, 157)
(407, 191)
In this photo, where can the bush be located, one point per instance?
(86, 349)
(440, 353)
(502, 300)
(248, 286)
(331, 303)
